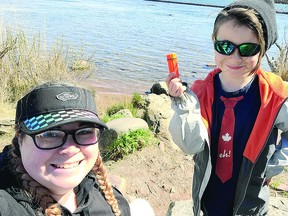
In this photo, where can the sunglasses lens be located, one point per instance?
(249, 49)
(245, 49)
(224, 47)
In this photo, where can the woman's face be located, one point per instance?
(235, 66)
(61, 169)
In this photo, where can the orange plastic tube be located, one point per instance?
(173, 63)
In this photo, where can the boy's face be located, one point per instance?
(235, 66)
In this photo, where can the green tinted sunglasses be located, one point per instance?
(245, 49)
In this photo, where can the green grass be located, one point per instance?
(275, 184)
(137, 101)
(128, 143)
(285, 194)
(106, 118)
(279, 180)
(112, 112)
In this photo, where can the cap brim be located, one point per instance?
(46, 121)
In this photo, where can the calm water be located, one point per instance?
(129, 38)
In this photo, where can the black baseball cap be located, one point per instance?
(55, 104)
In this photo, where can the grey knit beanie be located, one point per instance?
(266, 9)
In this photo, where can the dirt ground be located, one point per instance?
(160, 174)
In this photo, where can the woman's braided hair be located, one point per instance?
(105, 185)
(41, 196)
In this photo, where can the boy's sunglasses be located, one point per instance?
(245, 49)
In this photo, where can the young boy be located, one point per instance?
(231, 119)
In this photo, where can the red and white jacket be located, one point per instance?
(262, 157)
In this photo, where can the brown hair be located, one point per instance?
(242, 17)
(41, 195)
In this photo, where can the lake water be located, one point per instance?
(129, 38)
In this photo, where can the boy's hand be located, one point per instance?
(174, 85)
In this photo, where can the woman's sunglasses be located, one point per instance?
(227, 48)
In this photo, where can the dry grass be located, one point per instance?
(107, 100)
(25, 63)
(282, 62)
(280, 65)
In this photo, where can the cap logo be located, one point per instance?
(64, 96)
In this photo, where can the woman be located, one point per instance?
(234, 133)
(55, 166)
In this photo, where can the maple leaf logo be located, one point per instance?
(226, 137)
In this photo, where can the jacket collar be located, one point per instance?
(273, 93)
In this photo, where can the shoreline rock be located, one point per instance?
(278, 206)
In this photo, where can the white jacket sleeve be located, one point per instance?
(280, 157)
(186, 126)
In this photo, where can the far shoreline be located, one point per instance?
(215, 6)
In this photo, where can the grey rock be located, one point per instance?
(180, 208)
(278, 206)
(118, 127)
(107, 137)
(158, 115)
(124, 125)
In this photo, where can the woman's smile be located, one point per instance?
(66, 165)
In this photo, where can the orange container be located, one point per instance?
(173, 63)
